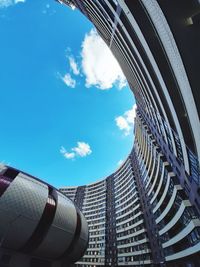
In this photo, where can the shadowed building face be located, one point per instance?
(157, 47)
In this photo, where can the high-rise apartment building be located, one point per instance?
(147, 212)
(113, 210)
(140, 215)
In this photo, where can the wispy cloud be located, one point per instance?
(73, 65)
(7, 3)
(74, 70)
(67, 155)
(48, 10)
(125, 122)
(68, 80)
(18, 1)
(81, 150)
(99, 65)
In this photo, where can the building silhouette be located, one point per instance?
(147, 212)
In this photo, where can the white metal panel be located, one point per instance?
(184, 253)
(21, 207)
(186, 231)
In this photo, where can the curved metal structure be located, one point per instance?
(156, 43)
(39, 226)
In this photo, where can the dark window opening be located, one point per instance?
(11, 173)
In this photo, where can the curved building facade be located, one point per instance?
(39, 226)
(113, 210)
(157, 46)
(140, 215)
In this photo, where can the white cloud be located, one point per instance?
(131, 114)
(81, 150)
(123, 124)
(7, 3)
(99, 65)
(67, 155)
(126, 121)
(120, 162)
(68, 80)
(73, 65)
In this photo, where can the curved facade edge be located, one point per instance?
(148, 214)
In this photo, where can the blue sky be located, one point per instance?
(66, 112)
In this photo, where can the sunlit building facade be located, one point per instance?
(157, 46)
